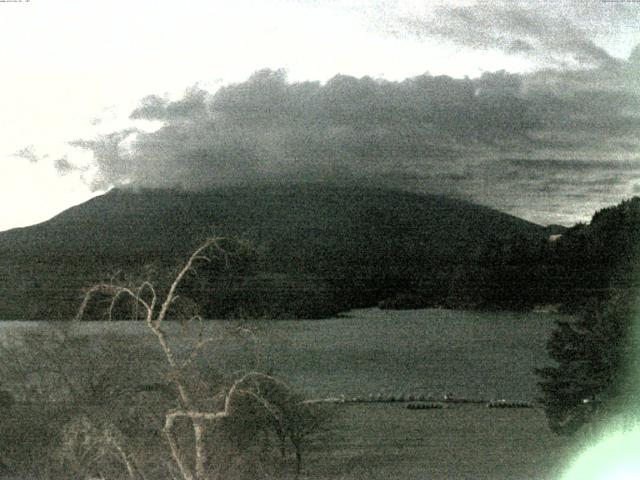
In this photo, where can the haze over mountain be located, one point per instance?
(335, 247)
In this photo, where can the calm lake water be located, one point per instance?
(432, 351)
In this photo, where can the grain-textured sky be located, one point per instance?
(529, 107)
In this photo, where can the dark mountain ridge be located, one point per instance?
(359, 244)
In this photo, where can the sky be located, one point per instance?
(531, 107)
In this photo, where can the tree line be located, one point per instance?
(596, 352)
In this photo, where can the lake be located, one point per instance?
(487, 355)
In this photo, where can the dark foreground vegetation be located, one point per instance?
(125, 440)
(595, 377)
(388, 441)
(364, 441)
(586, 264)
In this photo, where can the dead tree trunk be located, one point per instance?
(145, 298)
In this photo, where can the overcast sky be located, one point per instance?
(530, 107)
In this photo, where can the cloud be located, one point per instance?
(151, 107)
(113, 164)
(513, 29)
(154, 107)
(581, 166)
(268, 127)
(63, 166)
(28, 153)
(500, 139)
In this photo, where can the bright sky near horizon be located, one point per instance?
(75, 70)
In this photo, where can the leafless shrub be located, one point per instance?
(259, 401)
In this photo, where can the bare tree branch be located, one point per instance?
(115, 291)
(188, 409)
(188, 266)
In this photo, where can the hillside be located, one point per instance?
(583, 264)
(600, 258)
(349, 246)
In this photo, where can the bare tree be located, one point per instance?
(86, 445)
(191, 460)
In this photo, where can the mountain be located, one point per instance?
(339, 247)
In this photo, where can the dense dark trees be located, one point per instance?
(586, 262)
(594, 356)
(595, 353)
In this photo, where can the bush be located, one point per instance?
(424, 406)
(592, 354)
(273, 422)
(506, 404)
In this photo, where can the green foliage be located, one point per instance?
(590, 261)
(593, 354)
(586, 262)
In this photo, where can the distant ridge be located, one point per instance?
(369, 242)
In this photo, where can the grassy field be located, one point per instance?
(424, 352)
(365, 441)
(467, 354)
(488, 355)
(388, 441)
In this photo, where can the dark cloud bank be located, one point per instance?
(551, 146)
